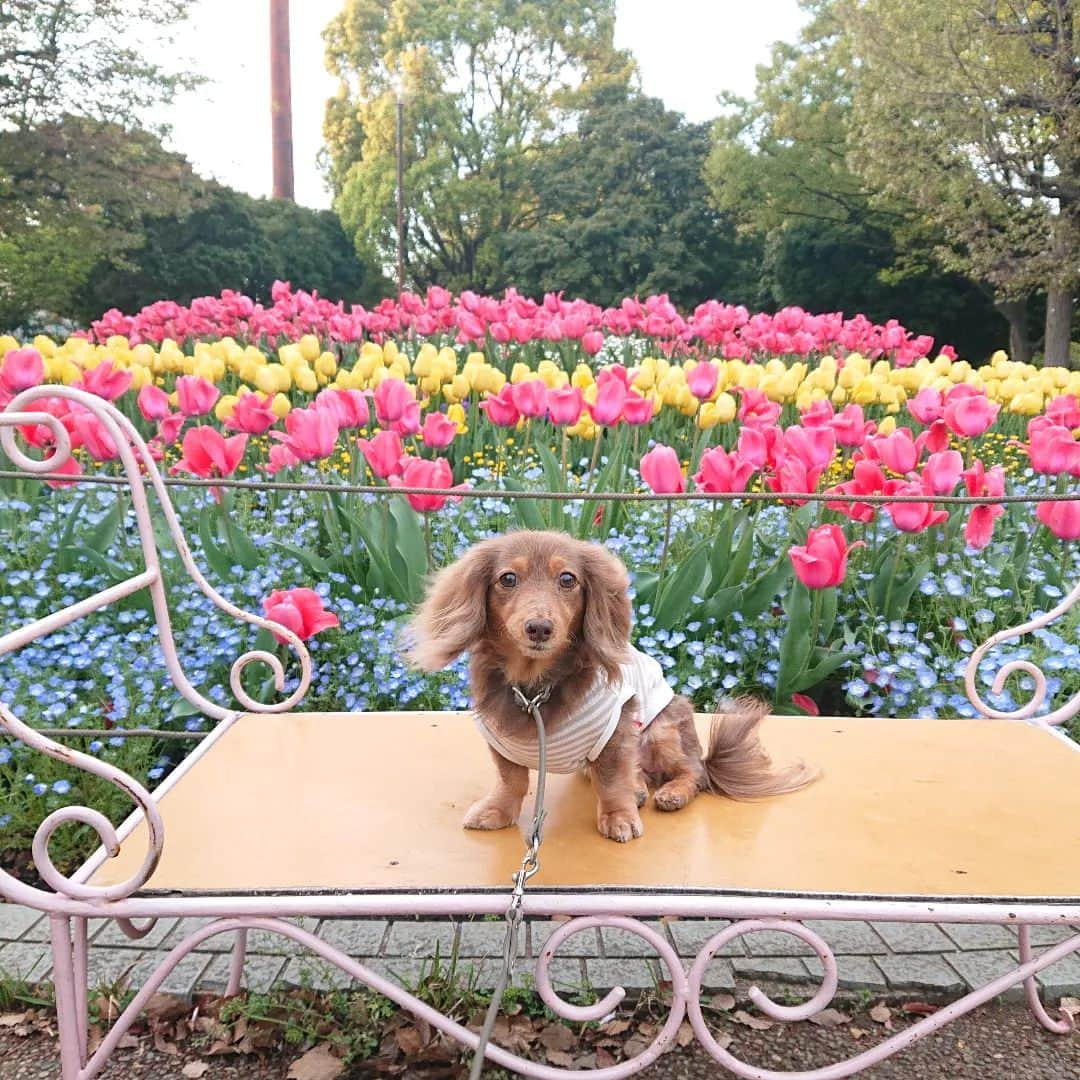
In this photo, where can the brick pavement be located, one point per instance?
(880, 958)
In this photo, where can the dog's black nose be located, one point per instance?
(539, 630)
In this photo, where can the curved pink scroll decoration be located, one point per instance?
(1025, 712)
(138, 462)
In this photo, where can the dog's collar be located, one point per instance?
(529, 703)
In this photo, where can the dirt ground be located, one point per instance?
(998, 1042)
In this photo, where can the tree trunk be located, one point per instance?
(1016, 312)
(1059, 314)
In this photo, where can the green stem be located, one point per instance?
(427, 538)
(892, 577)
(595, 458)
(667, 541)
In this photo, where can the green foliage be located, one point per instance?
(64, 56)
(489, 85)
(621, 209)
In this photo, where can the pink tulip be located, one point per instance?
(912, 516)
(757, 410)
(898, 452)
(71, 467)
(1052, 449)
(927, 405)
(382, 453)
(252, 413)
(392, 398)
(721, 472)
(153, 402)
(822, 562)
(1061, 518)
(420, 473)
(793, 475)
(310, 433)
(867, 479)
(757, 445)
(438, 431)
(105, 381)
(592, 341)
(169, 428)
(22, 368)
(207, 453)
(637, 410)
(607, 410)
(408, 423)
(703, 379)
(819, 413)
(349, 407)
(942, 472)
(851, 427)
(280, 457)
(500, 408)
(815, 447)
(530, 398)
(970, 415)
(93, 437)
(299, 610)
(564, 405)
(661, 471)
(1063, 410)
(196, 396)
(935, 439)
(980, 524)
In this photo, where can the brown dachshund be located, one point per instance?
(544, 612)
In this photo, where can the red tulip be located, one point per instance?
(980, 524)
(169, 428)
(438, 432)
(310, 433)
(1061, 518)
(253, 413)
(195, 395)
(417, 472)
(822, 562)
(500, 408)
(299, 610)
(281, 457)
(206, 453)
(93, 437)
(721, 472)
(383, 453)
(661, 471)
(564, 405)
(867, 479)
(105, 381)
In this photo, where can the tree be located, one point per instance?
(230, 240)
(490, 84)
(59, 57)
(621, 209)
(69, 193)
(971, 109)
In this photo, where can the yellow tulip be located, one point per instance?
(838, 396)
(520, 373)
(306, 380)
(326, 365)
(265, 379)
(225, 406)
(7, 344)
(457, 389)
(309, 347)
(582, 377)
(1029, 404)
(140, 376)
(456, 414)
(887, 426)
(1000, 357)
(281, 406)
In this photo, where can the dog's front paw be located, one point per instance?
(488, 814)
(620, 825)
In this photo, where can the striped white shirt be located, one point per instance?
(580, 738)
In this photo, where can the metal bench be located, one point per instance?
(963, 821)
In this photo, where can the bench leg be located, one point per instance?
(236, 966)
(69, 967)
(1031, 991)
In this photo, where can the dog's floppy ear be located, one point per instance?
(453, 615)
(606, 625)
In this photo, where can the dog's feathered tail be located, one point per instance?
(738, 765)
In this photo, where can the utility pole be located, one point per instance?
(281, 99)
(400, 91)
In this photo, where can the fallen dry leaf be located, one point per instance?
(881, 1013)
(127, 1042)
(685, 1035)
(194, 1069)
(317, 1064)
(723, 1002)
(829, 1018)
(604, 1058)
(857, 1032)
(919, 1008)
(615, 1027)
(560, 1058)
(408, 1039)
(11, 1019)
(1070, 1006)
(755, 1023)
(556, 1037)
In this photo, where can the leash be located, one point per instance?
(530, 863)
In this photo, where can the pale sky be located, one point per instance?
(688, 51)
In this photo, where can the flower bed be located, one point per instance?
(835, 606)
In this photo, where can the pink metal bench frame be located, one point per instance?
(75, 901)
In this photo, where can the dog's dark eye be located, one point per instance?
(508, 581)
(567, 580)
